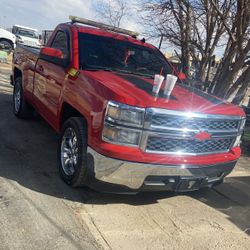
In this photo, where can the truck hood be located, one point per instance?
(8, 35)
(135, 90)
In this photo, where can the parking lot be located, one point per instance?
(39, 211)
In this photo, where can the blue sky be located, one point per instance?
(46, 14)
(42, 14)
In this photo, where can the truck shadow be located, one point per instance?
(231, 198)
(28, 157)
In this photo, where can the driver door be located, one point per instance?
(50, 78)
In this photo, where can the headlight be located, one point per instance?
(237, 141)
(19, 39)
(243, 122)
(123, 124)
(125, 114)
(238, 138)
(120, 135)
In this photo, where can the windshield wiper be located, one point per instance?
(133, 73)
(97, 69)
(116, 70)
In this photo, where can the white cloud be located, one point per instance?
(47, 14)
(44, 14)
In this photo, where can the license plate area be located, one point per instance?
(180, 183)
(189, 184)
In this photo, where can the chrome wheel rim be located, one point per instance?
(69, 152)
(17, 98)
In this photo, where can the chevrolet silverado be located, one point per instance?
(93, 84)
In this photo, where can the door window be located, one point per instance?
(61, 42)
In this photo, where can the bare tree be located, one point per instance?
(112, 11)
(237, 49)
(244, 81)
(172, 20)
(209, 31)
(192, 26)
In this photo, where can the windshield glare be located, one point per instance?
(97, 52)
(27, 33)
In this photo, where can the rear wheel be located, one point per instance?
(72, 152)
(21, 108)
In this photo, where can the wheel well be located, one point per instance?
(17, 73)
(7, 40)
(68, 111)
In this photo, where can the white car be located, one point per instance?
(7, 39)
(26, 36)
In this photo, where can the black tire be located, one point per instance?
(21, 108)
(8, 46)
(75, 173)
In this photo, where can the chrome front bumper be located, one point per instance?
(137, 175)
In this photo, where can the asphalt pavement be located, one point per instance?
(39, 211)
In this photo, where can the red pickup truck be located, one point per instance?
(94, 86)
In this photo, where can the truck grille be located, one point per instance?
(169, 145)
(196, 124)
(173, 132)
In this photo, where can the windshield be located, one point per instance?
(97, 52)
(27, 33)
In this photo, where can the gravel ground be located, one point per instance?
(38, 211)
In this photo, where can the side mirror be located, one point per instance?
(54, 56)
(51, 52)
(182, 76)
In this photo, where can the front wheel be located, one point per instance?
(7, 45)
(72, 152)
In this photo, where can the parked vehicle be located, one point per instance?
(26, 36)
(7, 39)
(94, 86)
(45, 36)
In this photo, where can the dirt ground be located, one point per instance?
(39, 211)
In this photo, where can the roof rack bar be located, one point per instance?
(75, 19)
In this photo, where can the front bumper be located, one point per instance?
(132, 176)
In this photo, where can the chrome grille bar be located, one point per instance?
(173, 132)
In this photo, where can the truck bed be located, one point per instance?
(24, 54)
(30, 52)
